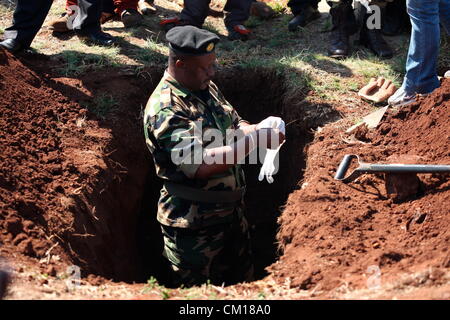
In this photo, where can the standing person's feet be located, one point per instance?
(131, 18)
(239, 32)
(12, 45)
(146, 7)
(400, 98)
(96, 37)
(303, 18)
(373, 39)
(344, 25)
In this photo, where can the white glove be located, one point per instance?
(272, 123)
(268, 167)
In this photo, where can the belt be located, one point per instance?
(198, 195)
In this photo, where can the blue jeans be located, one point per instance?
(421, 64)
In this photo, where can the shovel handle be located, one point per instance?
(344, 165)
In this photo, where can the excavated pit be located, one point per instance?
(100, 204)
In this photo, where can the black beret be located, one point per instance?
(190, 40)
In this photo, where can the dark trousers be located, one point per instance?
(30, 15)
(196, 11)
(298, 5)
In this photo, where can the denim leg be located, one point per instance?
(421, 64)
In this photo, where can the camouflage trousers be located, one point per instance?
(219, 253)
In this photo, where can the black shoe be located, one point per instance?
(339, 44)
(344, 25)
(373, 39)
(303, 18)
(12, 45)
(96, 37)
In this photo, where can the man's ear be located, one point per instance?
(180, 64)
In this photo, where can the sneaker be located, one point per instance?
(239, 32)
(447, 74)
(400, 98)
(131, 18)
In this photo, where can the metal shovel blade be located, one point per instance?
(371, 120)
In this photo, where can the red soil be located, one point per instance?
(332, 232)
(64, 175)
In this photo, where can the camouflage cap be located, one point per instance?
(190, 40)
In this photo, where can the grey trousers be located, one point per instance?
(196, 11)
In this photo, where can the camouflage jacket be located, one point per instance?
(172, 115)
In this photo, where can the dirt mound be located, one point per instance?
(335, 234)
(63, 170)
(35, 174)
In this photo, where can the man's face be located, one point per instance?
(199, 71)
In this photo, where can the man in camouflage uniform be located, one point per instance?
(201, 209)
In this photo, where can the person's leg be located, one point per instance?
(27, 21)
(343, 26)
(237, 12)
(88, 17)
(195, 12)
(191, 253)
(444, 15)
(86, 23)
(421, 64)
(304, 11)
(60, 24)
(370, 35)
(128, 13)
(297, 6)
(236, 259)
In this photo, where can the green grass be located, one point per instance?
(78, 61)
(153, 52)
(277, 7)
(103, 105)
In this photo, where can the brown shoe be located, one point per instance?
(146, 7)
(60, 24)
(131, 18)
